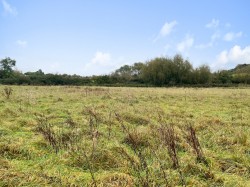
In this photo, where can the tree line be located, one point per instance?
(160, 71)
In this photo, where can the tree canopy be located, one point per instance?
(6, 66)
(160, 71)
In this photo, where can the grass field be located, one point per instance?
(98, 136)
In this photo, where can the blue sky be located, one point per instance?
(89, 37)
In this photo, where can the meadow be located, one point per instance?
(100, 136)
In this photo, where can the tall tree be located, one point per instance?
(124, 72)
(6, 66)
(204, 74)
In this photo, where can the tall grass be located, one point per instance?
(78, 136)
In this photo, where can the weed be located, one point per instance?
(194, 142)
(44, 127)
(7, 92)
(94, 118)
(169, 139)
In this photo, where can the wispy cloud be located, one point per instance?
(230, 36)
(230, 58)
(213, 24)
(186, 44)
(166, 29)
(215, 36)
(8, 8)
(22, 43)
(212, 41)
(204, 46)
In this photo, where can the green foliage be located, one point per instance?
(202, 75)
(241, 74)
(241, 68)
(222, 77)
(160, 71)
(176, 71)
(6, 66)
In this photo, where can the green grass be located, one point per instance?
(98, 136)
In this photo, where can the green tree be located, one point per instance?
(6, 66)
(124, 72)
(182, 69)
(137, 68)
(168, 71)
(223, 77)
(203, 74)
(155, 71)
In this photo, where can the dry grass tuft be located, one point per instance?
(115, 180)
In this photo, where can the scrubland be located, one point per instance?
(100, 136)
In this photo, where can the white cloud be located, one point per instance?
(230, 36)
(186, 44)
(229, 59)
(103, 63)
(213, 24)
(101, 58)
(8, 8)
(22, 43)
(166, 29)
(213, 38)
